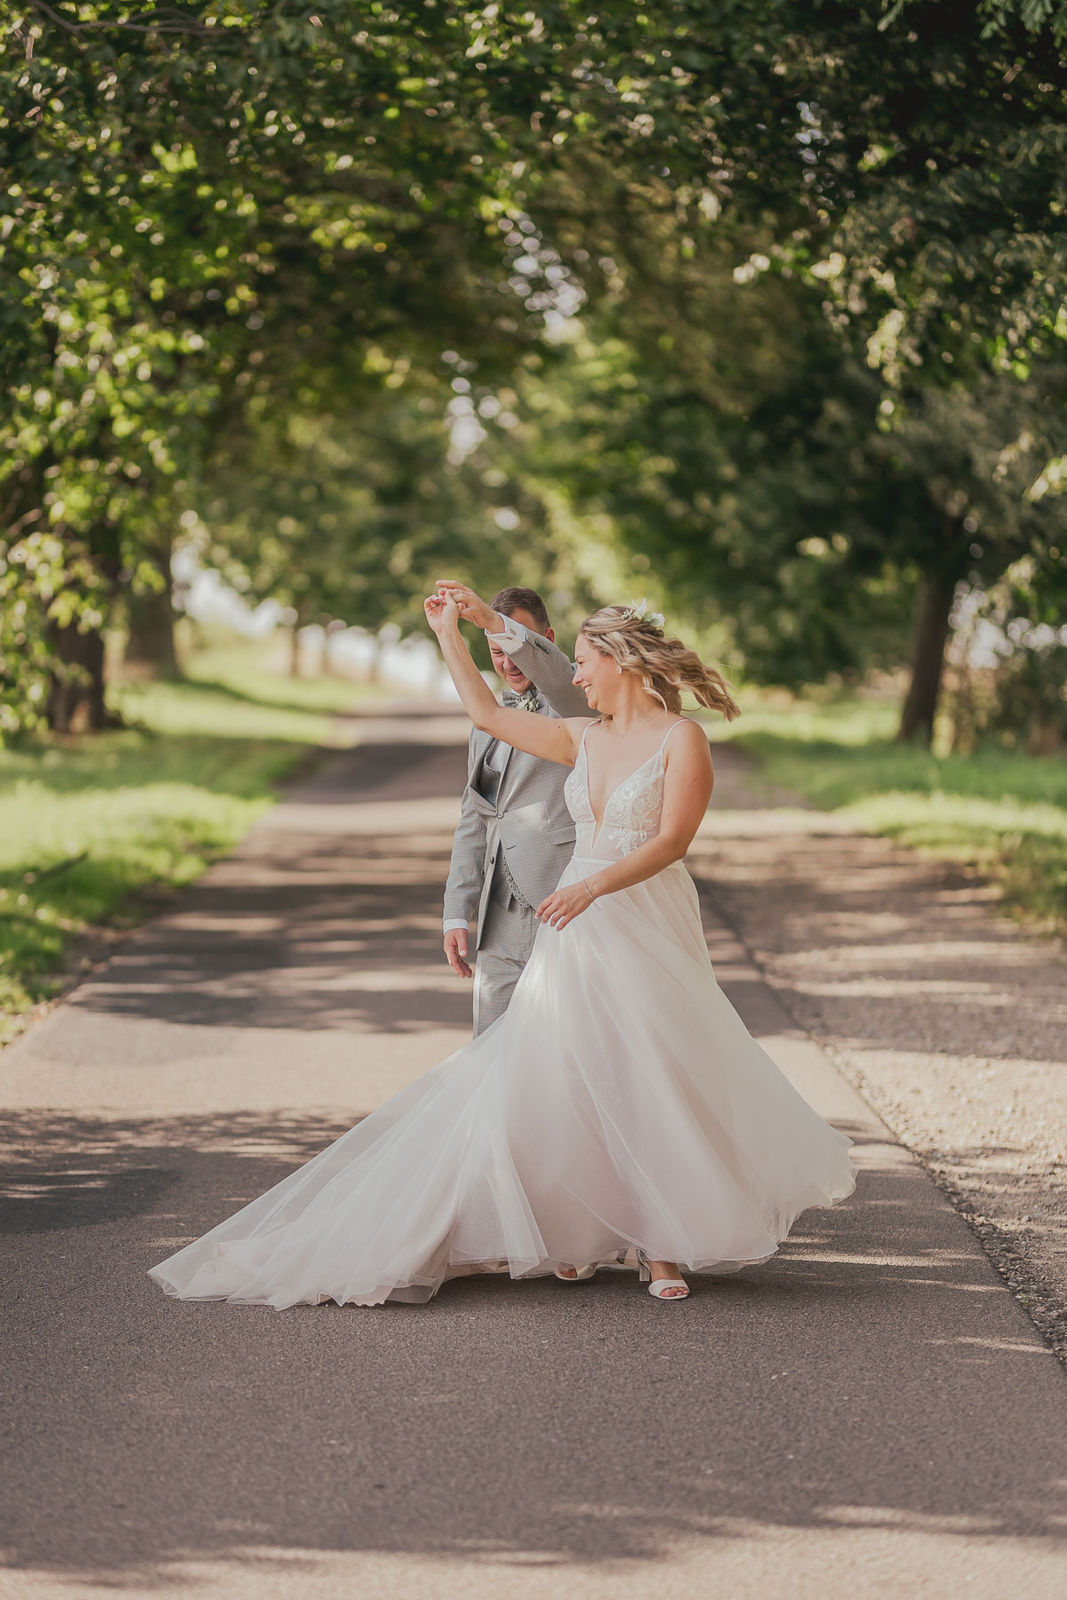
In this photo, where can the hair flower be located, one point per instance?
(641, 613)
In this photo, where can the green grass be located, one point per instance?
(999, 811)
(88, 824)
(255, 674)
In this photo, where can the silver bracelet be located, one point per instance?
(589, 892)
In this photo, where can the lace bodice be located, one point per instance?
(632, 810)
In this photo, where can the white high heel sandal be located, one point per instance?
(576, 1274)
(658, 1287)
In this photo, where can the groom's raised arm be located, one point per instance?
(551, 738)
(536, 657)
(544, 663)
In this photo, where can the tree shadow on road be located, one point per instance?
(874, 1376)
(352, 944)
(866, 933)
(391, 772)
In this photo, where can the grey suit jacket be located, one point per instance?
(529, 820)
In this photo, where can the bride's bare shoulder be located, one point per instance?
(688, 740)
(687, 729)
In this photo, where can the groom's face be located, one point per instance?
(502, 662)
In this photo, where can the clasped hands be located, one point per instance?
(468, 606)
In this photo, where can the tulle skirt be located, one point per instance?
(619, 1103)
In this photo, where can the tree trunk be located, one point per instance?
(294, 650)
(76, 696)
(150, 640)
(928, 658)
(331, 634)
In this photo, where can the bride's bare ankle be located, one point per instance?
(664, 1278)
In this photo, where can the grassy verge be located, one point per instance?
(88, 824)
(1001, 812)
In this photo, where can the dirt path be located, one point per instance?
(950, 1021)
(868, 1415)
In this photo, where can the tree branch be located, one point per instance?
(166, 19)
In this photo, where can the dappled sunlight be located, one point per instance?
(1015, 1347)
(759, 309)
(859, 925)
(999, 811)
(731, 1429)
(764, 816)
(952, 1021)
(298, 927)
(801, 1405)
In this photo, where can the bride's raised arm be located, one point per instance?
(547, 737)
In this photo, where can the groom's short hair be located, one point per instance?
(508, 601)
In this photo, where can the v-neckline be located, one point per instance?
(598, 827)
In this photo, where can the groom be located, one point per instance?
(515, 835)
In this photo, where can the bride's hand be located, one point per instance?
(471, 607)
(564, 905)
(442, 613)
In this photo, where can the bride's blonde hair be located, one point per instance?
(665, 666)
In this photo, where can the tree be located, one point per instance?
(240, 204)
(907, 199)
(210, 203)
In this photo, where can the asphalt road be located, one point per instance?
(869, 1414)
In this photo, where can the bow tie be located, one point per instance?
(529, 700)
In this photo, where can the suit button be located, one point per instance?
(492, 861)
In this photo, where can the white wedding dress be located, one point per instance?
(619, 1102)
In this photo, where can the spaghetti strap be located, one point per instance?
(666, 736)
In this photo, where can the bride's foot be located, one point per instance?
(571, 1274)
(664, 1278)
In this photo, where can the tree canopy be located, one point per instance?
(777, 290)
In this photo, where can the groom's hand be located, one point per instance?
(471, 607)
(456, 951)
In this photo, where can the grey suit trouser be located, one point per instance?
(506, 940)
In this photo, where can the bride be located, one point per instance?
(618, 1106)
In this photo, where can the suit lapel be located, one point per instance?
(507, 751)
(482, 777)
(483, 773)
